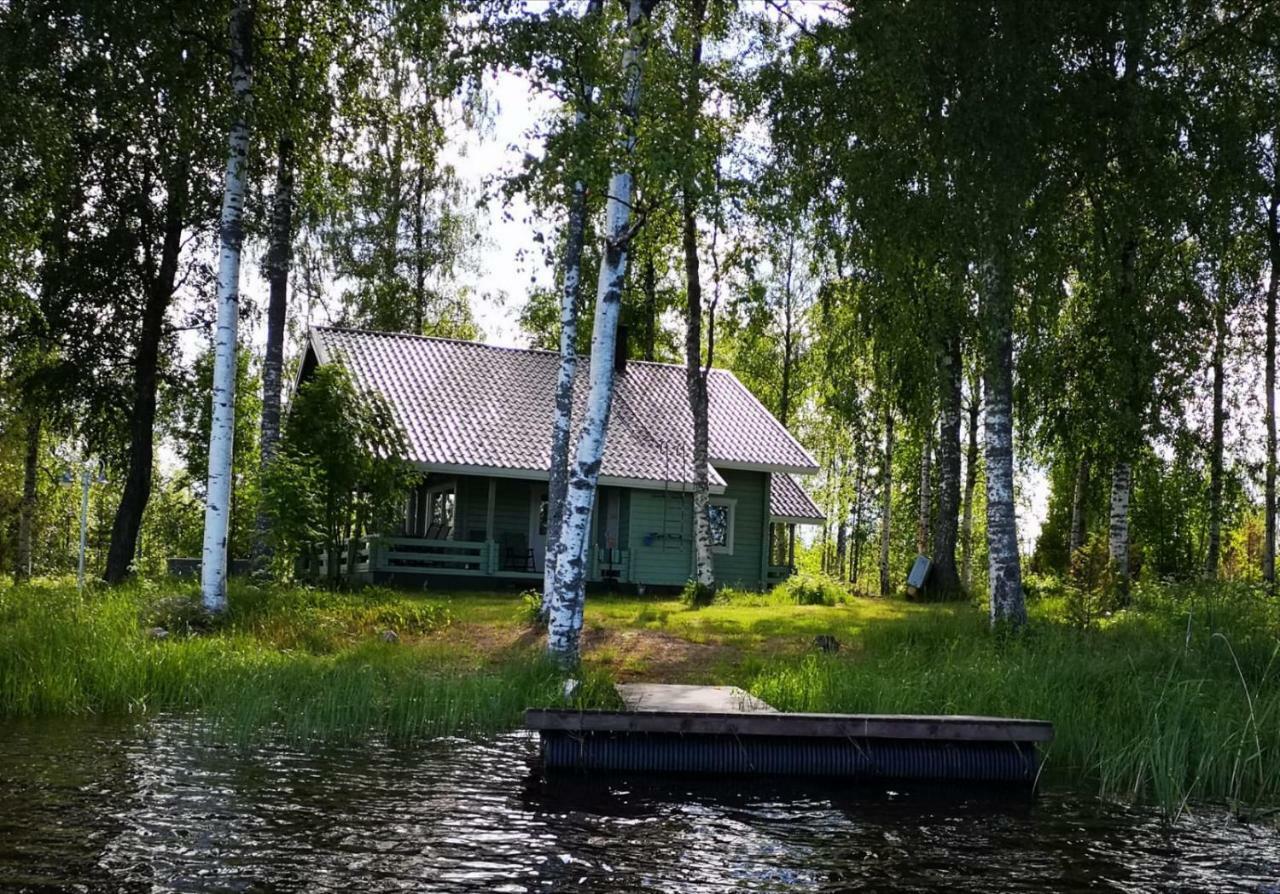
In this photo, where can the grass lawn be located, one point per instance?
(1176, 699)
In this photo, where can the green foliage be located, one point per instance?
(338, 469)
(695, 594)
(529, 609)
(292, 662)
(1174, 699)
(812, 589)
(190, 413)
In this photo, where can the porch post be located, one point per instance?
(493, 500)
(791, 546)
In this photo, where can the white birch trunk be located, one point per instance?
(1003, 562)
(217, 517)
(558, 477)
(569, 585)
(1118, 533)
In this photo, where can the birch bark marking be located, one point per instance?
(278, 260)
(568, 589)
(1121, 484)
(886, 503)
(1003, 563)
(217, 516)
(558, 477)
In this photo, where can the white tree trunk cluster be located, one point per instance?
(568, 587)
(575, 235)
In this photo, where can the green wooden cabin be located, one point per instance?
(477, 419)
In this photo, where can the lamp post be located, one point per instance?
(86, 480)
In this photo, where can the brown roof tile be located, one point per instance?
(469, 404)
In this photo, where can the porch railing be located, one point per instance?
(776, 574)
(414, 555)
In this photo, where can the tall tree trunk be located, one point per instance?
(1118, 533)
(924, 509)
(944, 579)
(419, 260)
(788, 338)
(1003, 563)
(1273, 286)
(217, 516)
(650, 286)
(279, 259)
(137, 484)
(569, 586)
(1214, 549)
(886, 503)
(695, 372)
(842, 544)
(27, 509)
(558, 478)
(970, 485)
(856, 532)
(1078, 500)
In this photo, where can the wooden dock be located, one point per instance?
(720, 729)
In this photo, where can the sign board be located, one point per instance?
(919, 572)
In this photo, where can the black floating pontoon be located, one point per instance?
(719, 730)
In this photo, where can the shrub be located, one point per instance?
(529, 609)
(812, 589)
(697, 595)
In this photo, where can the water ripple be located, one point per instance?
(157, 807)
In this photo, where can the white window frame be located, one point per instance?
(445, 487)
(731, 504)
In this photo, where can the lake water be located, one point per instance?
(105, 807)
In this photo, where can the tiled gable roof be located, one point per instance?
(789, 502)
(473, 405)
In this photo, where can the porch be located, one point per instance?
(382, 557)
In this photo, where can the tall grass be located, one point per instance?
(1176, 699)
(285, 662)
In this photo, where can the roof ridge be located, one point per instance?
(482, 344)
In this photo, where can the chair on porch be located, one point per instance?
(516, 554)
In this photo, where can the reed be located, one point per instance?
(285, 662)
(1170, 700)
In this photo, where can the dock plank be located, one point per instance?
(773, 723)
(685, 699)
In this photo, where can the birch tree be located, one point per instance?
(213, 571)
(569, 586)
(567, 371)
(696, 373)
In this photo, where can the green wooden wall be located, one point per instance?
(668, 561)
(664, 560)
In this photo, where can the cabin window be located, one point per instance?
(441, 507)
(720, 514)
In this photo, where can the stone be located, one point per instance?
(826, 642)
(158, 633)
(389, 636)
